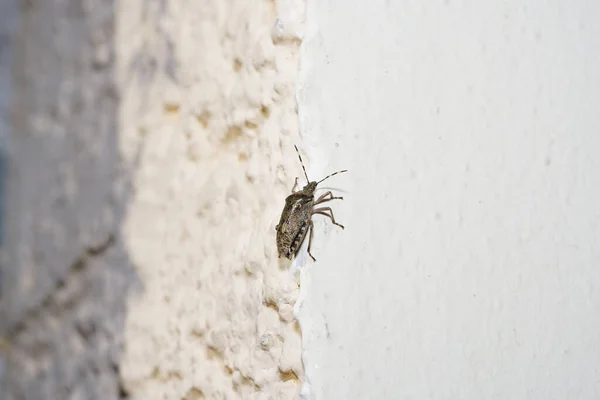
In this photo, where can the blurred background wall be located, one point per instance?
(150, 147)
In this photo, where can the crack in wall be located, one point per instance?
(76, 333)
(56, 299)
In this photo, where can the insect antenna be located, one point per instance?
(301, 163)
(329, 176)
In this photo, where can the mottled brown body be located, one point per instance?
(296, 218)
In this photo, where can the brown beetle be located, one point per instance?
(296, 216)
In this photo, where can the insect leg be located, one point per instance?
(295, 185)
(310, 234)
(323, 211)
(322, 198)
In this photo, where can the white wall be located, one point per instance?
(470, 263)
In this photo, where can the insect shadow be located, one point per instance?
(296, 217)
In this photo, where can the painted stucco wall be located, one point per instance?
(209, 111)
(470, 263)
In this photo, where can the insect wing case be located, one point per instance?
(293, 224)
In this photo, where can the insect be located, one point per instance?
(296, 217)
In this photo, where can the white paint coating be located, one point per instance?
(208, 109)
(470, 263)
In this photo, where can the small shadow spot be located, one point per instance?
(171, 108)
(265, 112)
(123, 393)
(78, 265)
(204, 118)
(271, 305)
(250, 125)
(288, 376)
(194, 394)
(233, 133)
(197, 334)
(213, 354)
(237, 65)
(248, 382)
(297, 328)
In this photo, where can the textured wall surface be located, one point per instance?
(151, 150)
(209, 111)
(468, 268)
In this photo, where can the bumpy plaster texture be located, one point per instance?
(209, 117)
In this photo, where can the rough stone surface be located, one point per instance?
(151, 150)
